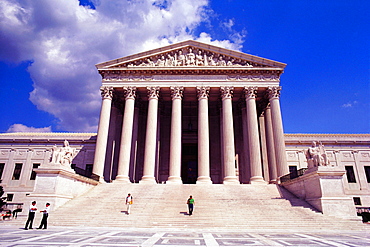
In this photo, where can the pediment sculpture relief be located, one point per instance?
(189, 57)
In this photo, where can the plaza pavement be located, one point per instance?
(126, 236)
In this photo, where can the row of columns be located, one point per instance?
(274, 135)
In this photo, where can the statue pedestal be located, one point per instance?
(322, 187)
(58, 184)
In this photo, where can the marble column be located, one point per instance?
(126, 135)
(151, 137)
(253, 136)
(102, 138)
(278, 132)
(175, 138)
(203, 137)
(228, 147)
(270, 146)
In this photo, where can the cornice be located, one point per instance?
(49, 137)
(327, 135)
(328, 139)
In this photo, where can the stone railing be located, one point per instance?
(293, 175)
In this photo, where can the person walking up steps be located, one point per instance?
(129, 202)
(190, 203)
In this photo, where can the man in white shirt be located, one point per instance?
(31, 215)
(45, 214)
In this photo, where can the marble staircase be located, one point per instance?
(217, 207)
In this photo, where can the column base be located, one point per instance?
(122, 179)
(204, 180)
(174, 180)
(147, 180)
(231, 180)
(273, 181)
(257, 180)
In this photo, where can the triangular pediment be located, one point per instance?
(190, 54)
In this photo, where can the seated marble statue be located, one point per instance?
(199, 59)
(63, 155)
(181, 59)
(316, 156)
(170, 61)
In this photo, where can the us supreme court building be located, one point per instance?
(190, 113)
(187, 113)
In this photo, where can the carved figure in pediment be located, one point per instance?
(181, 59)
(190, 57)
(199, 59)
(150, 62)
(161, 61)
(316, 155)
(170, 61)
(221, 61)
(211, 61)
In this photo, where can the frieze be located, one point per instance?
(126, 77)
(38, 154)
(4, 153)
(365, 155)
(190, 57)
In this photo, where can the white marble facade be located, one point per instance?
(187, 113)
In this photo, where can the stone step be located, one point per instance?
(217, 206)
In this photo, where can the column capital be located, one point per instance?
(250, 92)
(106, 92)
(177, 92)
(273, 92)
(153, 92)
(129, 92)
(202, 92)
(226, 92)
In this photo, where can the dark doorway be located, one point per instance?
(189, 167)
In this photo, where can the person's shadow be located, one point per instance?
(184, 213)
(124, 212)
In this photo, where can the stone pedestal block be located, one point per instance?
(58, 184)
(322, 187)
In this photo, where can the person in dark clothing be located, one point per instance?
(31, 215)
(16, 211)
(45, 214)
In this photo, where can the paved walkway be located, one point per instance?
(102, 236)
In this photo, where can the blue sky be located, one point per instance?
(49, 49)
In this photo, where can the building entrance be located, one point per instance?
(189, 163)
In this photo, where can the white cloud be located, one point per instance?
(24, 128)
(65, 40)
(350, 104)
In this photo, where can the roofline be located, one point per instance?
(236, 54)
